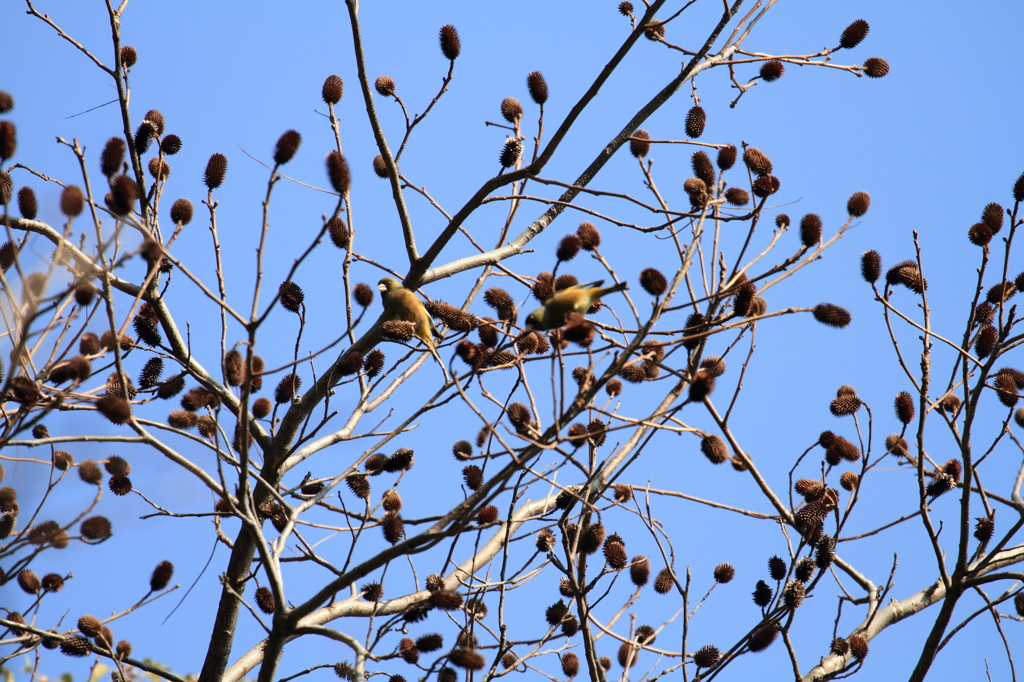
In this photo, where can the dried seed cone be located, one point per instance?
(849, 480)
(639, 571)
(726, 157)
(979, 234)
(467, 659)
(762, 594)
(451, 46)
(832, 315)
(537, 86)
(757, 162)
(291, 296)
(858, 204)
(394, 527)
(615, 555)
(762, 638)
(170, 145)
(714, 449)
(120, 485)
(853, 34)
(701, 387)
(695, 120)
(904, 406)
(570, 664)
(115, 408)
(804, 570)
(473, 476)
(159, 169)
(638, 144)
(161, 576)
(385, 85)
(123, 193)
(858, 646)
(592, 538)
(871, 266)
(510, 152)
(28, 206)
(810, 230)
(265, 600)
(181, 212)
(985, 343)
(703, 168)
(75, 646)
(793, 595)
(216, 169)
(286, 147)
(6, 102)
(511, 109)
(876, 67)
(95, 528)
(338, 172)
(706, 656)
(589, 236)
(772, 70)
(737, 196)
(654, 283)
(777, 568)
(664, 582)
(72, 201)
(332, 89)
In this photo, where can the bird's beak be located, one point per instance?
(381, 288)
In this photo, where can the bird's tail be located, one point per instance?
(604, 291)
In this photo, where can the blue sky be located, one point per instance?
(932, 142)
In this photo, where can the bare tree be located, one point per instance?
(557, 408)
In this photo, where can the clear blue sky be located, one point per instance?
(932, 142)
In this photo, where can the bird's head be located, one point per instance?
(388, 284)
(535, 320)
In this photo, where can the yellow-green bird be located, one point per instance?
(574, 299)
(404, 305)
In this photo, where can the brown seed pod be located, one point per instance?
(772, 70)
(985, 342)
(598, 431)
(653, 282)
(159, 169)
(72, 201)
(394, 527)
(391, 501)
(983, 529)
(876, 67)
(858, 204)
(537, 86)
(511, 150)
(398, 330)
(545, 540)
(810, 230)
(695, 120)
(832, 315)
(385, 86)
(757, 162)
(870, 266)
(639, 145)
(782, 221)
(451, 46)
(182, 419)
(701, 387)
(380, 169)
(992, 215)
(744, 298)
(473, 476)
(95, 528)
(639, 570)
(623, 492)
(161, 576)
(6, 102)
(90, 472)
(170, 145)
(446, 600)
(853, 34)
(737, 196)
(120, 485)
(53, 582)
(904, 406)
(703, 168)
(123, 193)
(592, 538)
(858, 646)
(726, 158)
(28, 206)
(467, 659)
(655, 31)
(570, 664)
(979, 234)
(706, 656)
(115, 408)
(144, 135)
(762, 594)
(724, 573)
(428, 643)
(75, 646)
(332, 89)
(401, 459)
(568, 247)
(1006, 389)
(849, 480)
(488, 514)
(762, 638)
(809, 488)
(776, 568)
(615, 554)
(765, 186)
(804, 569)
(793, 594)
(665, 581)
(291, 296)
(714, 448)
(338, 172)
(216, 169)
(511, 109)
(286, 147)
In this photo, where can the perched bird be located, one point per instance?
(404, 305)
(574, 299)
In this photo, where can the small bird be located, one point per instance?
(404, 305)
(574, 299)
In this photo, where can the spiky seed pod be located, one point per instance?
(454, 318)
(120, 485)
(159, 169)
(510, 151)
(385, 86)
(332, 89)
(639, 145)
(653, 282)
(556, 612)
(40, 431)
(824, 552)
(545, 540)
(870, 266)
(90, 626)
(615, 555)
(467, 659)
(398, 330)
(724, 573)
(537, 86)
(906, 273)
(161, 576)
(849, 480)
(623, 492)
(1000, 293)
(287, 388)
(992, 215)
(77, 368)
(762, 638)
(124, 192)
(577, 434)
(170, 145)
(182, 419)
(664, 582)
(394, 527)
(592, 538)
(518, 414)
(772, 70)
(75, 646)
(391, 500)
(598, 432)
(115, 408)
(743, 299)
(639, 571)
(468, 352)
(286, 147)
(52, 582)
(858, 646)
(544, 287)
(979, 234)
(793, 594)
(581, 376)
(655, 31)
(144, 135)
(844, 405)
(359, 484)
(737, 196)
(578, 330)
(511, 109)
(265, 600)
(777, 568)
(29, 582)
(762, 594)
(697, 190)
(695, 120)
(858, 204)
(810, 517)
(757, 162)
(701, 387)
(338, 172)
(570, 664)
(380, 169)
(207, 426)
(876, 67)
(376, 463)
(401, 459)
(764, 186)
(407, 647)
(47, 533)
(703, 168)
(451, 46)
(90, 472)
(714, 448)
(810, 230)
(171, 388)
(904, 405)
(6, 102)
(568, 247)
(446, 600)
(644, 635)
(953, 468)
(842, 449)
(425, 643)
(984, 313)
(117, 466)
(72, 201)
(473, 476)
(488, 514)
(804, 569)
(291, 296)
(832, 315)
(1006, 389)
(28, 206)
(853, 34)
(985, 343)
